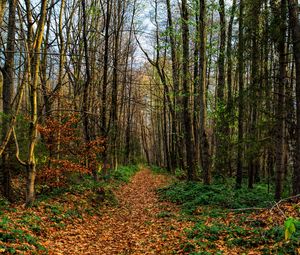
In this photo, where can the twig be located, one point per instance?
(285, 199)
(281, 201)
(272, 208)
(247, 209)
(282, 212)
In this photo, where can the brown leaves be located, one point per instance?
(140, 224)
(134, 227)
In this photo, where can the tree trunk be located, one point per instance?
(221, 139)
(196, 96)
(229, 107)
(7, 93)
(165, 134)
(280, 15)
(255, 81)
(177, 149)
(2, 9)
(35, 56)
(295, 27)
(204, 145)
(103, 123)
(189, 143)
(239, 170)
(115, 80)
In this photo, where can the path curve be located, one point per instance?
(140, 224)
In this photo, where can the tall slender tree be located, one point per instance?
(221, 139)
(239, 168)
(34, 46)
(279, 15)
(204, 145)
(189, 143)
(295, 27)
(7, 93)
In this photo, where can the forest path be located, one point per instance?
(140, 224)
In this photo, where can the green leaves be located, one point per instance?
(4, 223)
(290, 227)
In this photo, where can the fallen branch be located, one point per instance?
(284, 200)
(265, 208)
(248, 209)
(281, 201)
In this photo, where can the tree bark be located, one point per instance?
(255, 81)
(229, 107)
(34, 47)
(221, 139)
(279, 13)
(2, 9)
(7, 93)
(239, 170)
(204, 145)
(189, 143)
(177, 149)
(295, 27)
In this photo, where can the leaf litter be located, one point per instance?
(133, 227)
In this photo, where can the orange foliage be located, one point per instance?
(68, 152)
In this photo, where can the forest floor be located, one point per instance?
(136, 218)
(133, 227)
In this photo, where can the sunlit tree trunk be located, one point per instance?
(60, 72)
(2, 9)
(34, 47)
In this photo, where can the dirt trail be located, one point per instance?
(140, 224)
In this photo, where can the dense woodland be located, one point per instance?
(207, 89)
(211, 87)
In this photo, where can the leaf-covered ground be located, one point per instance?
(237, 222)
(140, 224)
(137, 219)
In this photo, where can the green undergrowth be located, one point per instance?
(177, 173)
(20, 236)
(158, 170)
(234, 221)
(22, 229)
(79, 184)
(124, 173)
(218, 237)
(191, 195)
